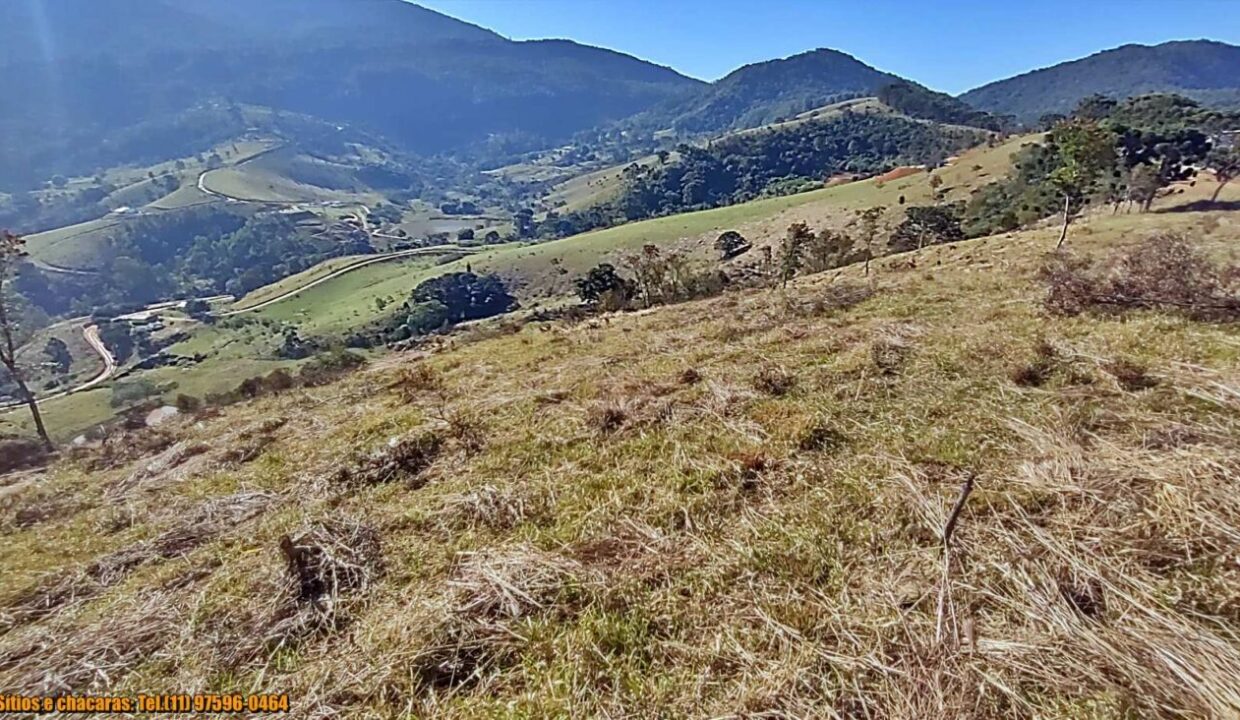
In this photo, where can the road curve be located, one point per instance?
(91, 333)
(387, 257)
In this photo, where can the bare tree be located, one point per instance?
(12, 249)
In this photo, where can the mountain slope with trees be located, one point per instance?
(1203, 70)
(766, 92)
(89, 71)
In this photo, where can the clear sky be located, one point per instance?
(949, 45)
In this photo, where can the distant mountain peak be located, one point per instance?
(1205, 70)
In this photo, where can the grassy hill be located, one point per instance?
(734, 505)
(1200, 69)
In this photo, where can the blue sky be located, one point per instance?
(949, 45)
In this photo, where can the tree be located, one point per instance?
(1143, 185)
(1225, 162)
(867, 225)
(732, 244)
(116, 337)
(1095, 107)
(1083, 151)
(466, 296)
(58, 352)
(605, 288)
(12, 249)
(924, 225)
(792, 251)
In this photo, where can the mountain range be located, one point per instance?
(108, 82)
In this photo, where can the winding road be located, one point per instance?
(91, 334)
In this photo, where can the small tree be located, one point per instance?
(1084, 150)
(12, 249)
(650, 270)
(604, 288)
(1144, 183)
(867, 226)
(58, 353)
(792, 251)
(1225, 162)
(924, 225)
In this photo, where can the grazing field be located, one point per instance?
(547, 270)
(920, 493)
(349, 301)
(77, 247)
(286, 176)
(292, 282)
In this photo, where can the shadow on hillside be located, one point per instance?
(1202, 206)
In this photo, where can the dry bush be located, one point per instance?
(489, 507)
(1038, 372)
(329, 567)
(159, 470)
(821, 437)
(402, 458)
(1131, 376)
(100, 654)
(331, 559)
(414, 382)
(889, 352)
(833, 299)
(1162, 273)
(1090, 573)
(607, 416)
(18, 453)
(491, 594)
(774, 381)
(121, 447)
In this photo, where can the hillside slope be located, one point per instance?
(728, 507)
(1204, 70)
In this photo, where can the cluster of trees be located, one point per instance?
(657, 277)
(440, 303)
(746, 166)
(1107, 152)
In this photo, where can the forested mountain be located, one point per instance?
(1204, 70)
(764, 92)
(88, 71)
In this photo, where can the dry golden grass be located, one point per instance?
(601, 533)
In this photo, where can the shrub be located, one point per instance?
(328, 367)
(18, 452)
(820, 437)
(607, 417)
(1163, 273)
(774, 381)
(187, 404)
(414, 381)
